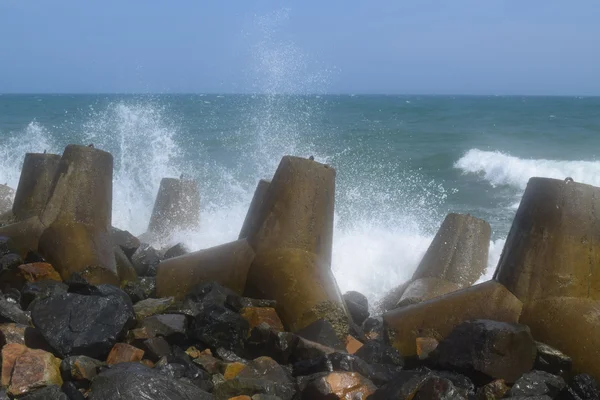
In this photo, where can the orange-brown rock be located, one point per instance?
(147, 363)
(193, 352)
(258, 315)
(437, 317)
(352, 345)
(342, 385)
(232, 370)
(123, 352)
(243, 397)
(425, 345)
(10, 353)
(34, 369)
(39, 271)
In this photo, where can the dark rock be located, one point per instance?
(306, 350)
(126, 241)
(483, 349)
(463, 384)
(537, 383)
(209, 293)
(237, 303)
(180, 365)
(80, 368)
(37, 290)
(7, 246)
(265, 342)
(3, 395)
(250, 387)
(375, 352)
(356, 331)
(104, 291)
(358, 306)
(22, 334)
(265, 397)
(70, 389)
(10, 261)
(134, 381)
(33, 257)
(338, 385)
(156, 348)
(171, 326)
(265, 368)
(492, 391)
(551, 360)
(373, 329)
(11, 312)
(46, 393)
(217, 326)
(12, 295)
(208, 363)
(145, 260)
(322, 332)
(581, 387)
(178, 250)
(229, 356)
(404, 386)
(75, 324)
(142, 288)
(436, 388)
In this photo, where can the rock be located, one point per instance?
(494, 390)
(11, 312)
(551, 360)
(156, 348)
(237, 303)
(10, 354)
(141, 289)
(339, 385)
(375, 352)
(46, 393)
(37, 290)
(22, 334)
(7, 246)
(24, 236)
(232, 370)
(406, 385)
(39, 272)
(6, 195)
(498, 350)
(436, 318)
(10, 261)
(178, 250)
(71, 391)
(217, 326)
(322, 332)
(537, 383)
(194, 352)
(125, 268)
(226, 264)
(358, 306)
(122, 353)
(33, 369)
(352, 345)
(208, 293)
(265, 342)
(171, 326)
(435, 388)
(133, 381)
(581, 387)
(425, 346)
(80, 368)
(75, 324)
(125, 240)
(373, 329)
(179, 365)
(228, 355)
(259, 315)
(145, 260)
(252, 216)
(149, 307)
(208, 363)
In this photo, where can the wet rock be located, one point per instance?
(581, 387)
(375, 352)
(216, 326)
(36, 290)
(322, 332)
(122, 353)
(250, 387)
(171, 326)
(134, 381)
(178, 250)
(75, 324)
(33, 369)
(339, 385)
(358, 306)
(11, 312)
(156, 348)
(179, 366)
(80, 368)
(332, 362)
(373, 329)
(140, 289)
(209, 293)
(145, 260)
(435, 388)
(537, 383)
(228, 355)
(125, 240)
(149, 307)
(10, 354)
(551, 360)
(484, 348)
(352, 345)
(494, 390)
(265, 342)
(46, 393)
(39, 272)
(237, 303)
(306, 350)
(425, 346)
(10, 261)
(259, 315)
(72, 392)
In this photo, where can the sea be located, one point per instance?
(403, 162)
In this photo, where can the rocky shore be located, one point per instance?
(91, 311)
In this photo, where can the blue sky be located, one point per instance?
(537, 47)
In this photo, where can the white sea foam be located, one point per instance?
(502, 169)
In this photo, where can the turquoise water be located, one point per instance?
(403, 162)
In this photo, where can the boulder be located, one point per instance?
(357, 305)
(216, 326)
(553, 247)
(178, 250)
(251, 220)
(422, 385)
(375, 352)
(133, 381)
(373, 329)
(352, 345)
(263, 341)
(122, 353)
(171, 326)
(537, 383)
(436, 318)
(322, 332)
(46, 393)
(75, 324)
(226, 264)
(149, 307)
(10, 261)
(552, 360)
(259, 315)
(31, 370)
(581, 387)
(125, 269)
(339, 385)
(36, 272)
(32, 291)
(494, 390)
(11, 312)
(141, 289)
(125, 240)
(82, 369)
(484, 348)
(23, 335)
(10, 353)
(78, 214)
(156, 348)
(71, 391)
(145, 260)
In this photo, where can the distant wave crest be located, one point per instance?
(502, 169)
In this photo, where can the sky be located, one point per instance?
(497, 47)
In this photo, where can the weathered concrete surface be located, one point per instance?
(125, 270)
(424, 289)
(177, 207)
(297, 211)
(35, 184)
(6, 198)
(226, 264)
(459, 251)
(304, 288)
(25, 234)
(78, 216)
(570, 324)
(553, 248)
(252, 216)
(390, 300)
(437, 317)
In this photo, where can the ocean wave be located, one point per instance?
(502, 169)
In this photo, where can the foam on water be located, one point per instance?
(502, 169)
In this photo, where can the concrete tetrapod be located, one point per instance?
(177, 208)
(251, 219)
(6, 198)
(570, 324)
(77, 216)
(35, 184)
(24, 234)
(553, 247)
(226, 264)
(437, 317)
